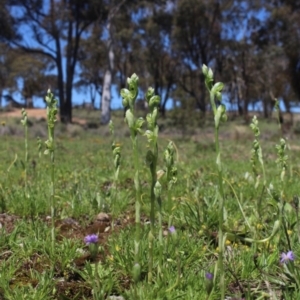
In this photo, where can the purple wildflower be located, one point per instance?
(209, 283)
(286, 257)
(91, 239)
(172, 229)
(209, 276)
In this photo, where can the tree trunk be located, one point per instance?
(28, 102)
(245, 110)
(106, 97)
(108, 76)
(66, 110)
(265, 107)
(200, 102)
(66, 113)
(107, 80)
(93, 93)
(60, 81)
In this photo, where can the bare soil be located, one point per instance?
(68, 284)
(37, 113)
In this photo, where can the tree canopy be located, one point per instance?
(253, 47)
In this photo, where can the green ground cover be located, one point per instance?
(76, 235)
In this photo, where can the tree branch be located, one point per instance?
(34, 50)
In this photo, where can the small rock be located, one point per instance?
(70, 221)
(118, 222)
(9, 219)
(116, 298)
(165, 233)
(102, 217)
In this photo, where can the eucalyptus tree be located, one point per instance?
(128, 49)
(113, 10)
(7, 80)
(34, 73)
(128, 14)
(160, 60)
(56, 28)
(196, 38)
(7, 28)
(93, 63)
(281, 30)
(7, 32)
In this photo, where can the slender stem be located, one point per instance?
(26, 158)
(178, 273)
(51, 119)
(153, 182)
(221, 215)
(160, 235)
(150, 263)
(138, 200)
(152, 213)
(220, 196)
(52, 201)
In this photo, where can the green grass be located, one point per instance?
(84, 174)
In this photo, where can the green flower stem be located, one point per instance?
(153, 182)
(150, 253)
(116, 149)
(257, 157)
(52, 196)
(219, 115)
(129, 97)
(24, 122)
(152, 215)
(155, 189)
(171, 171)
(282, 163)
(157, 193)
(51, 119)
(138, 200)
(220, 213)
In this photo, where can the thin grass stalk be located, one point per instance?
(39, 147)
(173, 235)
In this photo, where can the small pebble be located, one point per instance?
(102, 217)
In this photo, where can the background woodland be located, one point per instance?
(252, 46)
